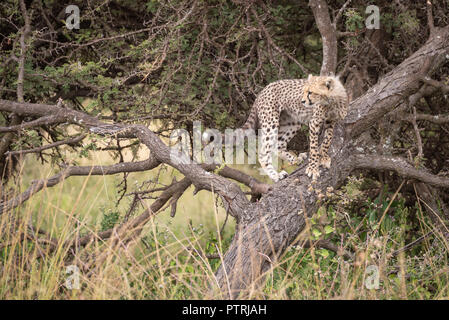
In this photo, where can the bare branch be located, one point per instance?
(437, 119)
(341, 34)
(433, 205)
(417, 135)
(437, 84)
(256, 186)
(412, 244)
(340, 12)
(43, 121)
(71, 141)
(38, 185)
(400, 166)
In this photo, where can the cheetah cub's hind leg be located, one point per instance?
(270, 125)
(287, 130)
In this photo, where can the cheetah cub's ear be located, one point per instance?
(329, 83)
(310, 77)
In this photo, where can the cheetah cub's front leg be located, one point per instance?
(325, 160)
(315, 155)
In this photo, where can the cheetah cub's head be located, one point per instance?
(323, 90)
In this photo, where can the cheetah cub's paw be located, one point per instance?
(313, 171)
(325, 161)
(282, 175)
(279, 176)
(302, 157)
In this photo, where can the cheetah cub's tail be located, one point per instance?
(252, 121)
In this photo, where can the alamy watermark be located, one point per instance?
(73, 20)
(372, 277)
(373, 20)
(73, 280)
(240, 146)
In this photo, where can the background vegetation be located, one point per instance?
(166, 64)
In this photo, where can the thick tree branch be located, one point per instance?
(328, 35)
(257, 187)
(435, 207)
(400, 166)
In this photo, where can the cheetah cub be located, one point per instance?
(283, 106)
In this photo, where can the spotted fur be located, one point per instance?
(283, 106)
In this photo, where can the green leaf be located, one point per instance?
(328, 229)
(316, 232)
(323, 252)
